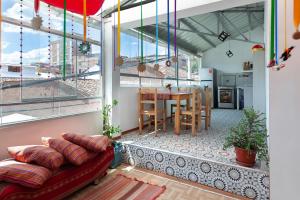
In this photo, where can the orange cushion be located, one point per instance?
(73, 153)
(25, 174)
(38, 154)
(95, 143)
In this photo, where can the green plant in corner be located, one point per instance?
(108, 129)
(250, 136)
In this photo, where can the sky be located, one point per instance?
(35, 43)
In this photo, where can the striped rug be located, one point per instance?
(121, 187)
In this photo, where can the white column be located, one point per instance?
(111, 73)
(284, 120)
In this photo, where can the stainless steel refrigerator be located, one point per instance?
(209, 78)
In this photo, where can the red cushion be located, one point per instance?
(95, 143)
(73, 153)
(66, 181)
(25, 174)
(38, 154)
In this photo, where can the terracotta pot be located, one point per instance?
(244, 157)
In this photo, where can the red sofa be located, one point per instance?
(65, 181)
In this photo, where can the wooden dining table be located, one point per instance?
(178, 97)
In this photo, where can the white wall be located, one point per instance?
(259, 81)
(284, 109)
(217, 58)
(31, 132)
(128, 103)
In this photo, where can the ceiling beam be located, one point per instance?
(249, 20)
(189, 25)
(242, 11)
(261, 23)
(235, 28)
(203, 26)
(207, 34)
(224, 27)
(150, 31)
(173, 27)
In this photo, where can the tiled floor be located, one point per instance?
(176, 189)
(206, 145)
(200, 159)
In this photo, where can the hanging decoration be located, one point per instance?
(168, 62)
(21, 43)
(229, 52)
(287, 50)
(174, 58)
(74, 43)
(85, 46)
(114, 41)
(277, 62)
(257, 47)
(296, 35)
(0, 34)
(142, 66)
(93, 6)
(223, 36)
(119, 59)
(65, 40)
(36, 21)
(49, 39)
(156, 65)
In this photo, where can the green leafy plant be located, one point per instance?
(108, 129)
(250, 134)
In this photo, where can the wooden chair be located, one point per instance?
(174, 105)
(192, 117)
(148, 106)
(206, 107)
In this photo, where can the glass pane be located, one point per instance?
(35, 88)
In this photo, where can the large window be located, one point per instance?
(183, 73)
(32, 74)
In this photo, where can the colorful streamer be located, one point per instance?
(175, 30)
(119, 28)
(168, 13)
(296, 35)
(142, 34)
(142, 66)
(287, 50)
(84, 20)
(156, 33)
(272, 32)
(0, 33)
(65, 39)
(168, 62)
(156, 65)
(276, 32)
(119, 60)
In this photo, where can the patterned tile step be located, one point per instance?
(207, 144)
(248, 182)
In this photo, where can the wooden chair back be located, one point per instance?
(196, 100)
(147, 96)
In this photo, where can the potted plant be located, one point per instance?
(109, 130)
(249, 138)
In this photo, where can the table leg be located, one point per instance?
(177, 117)
(188, 107)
